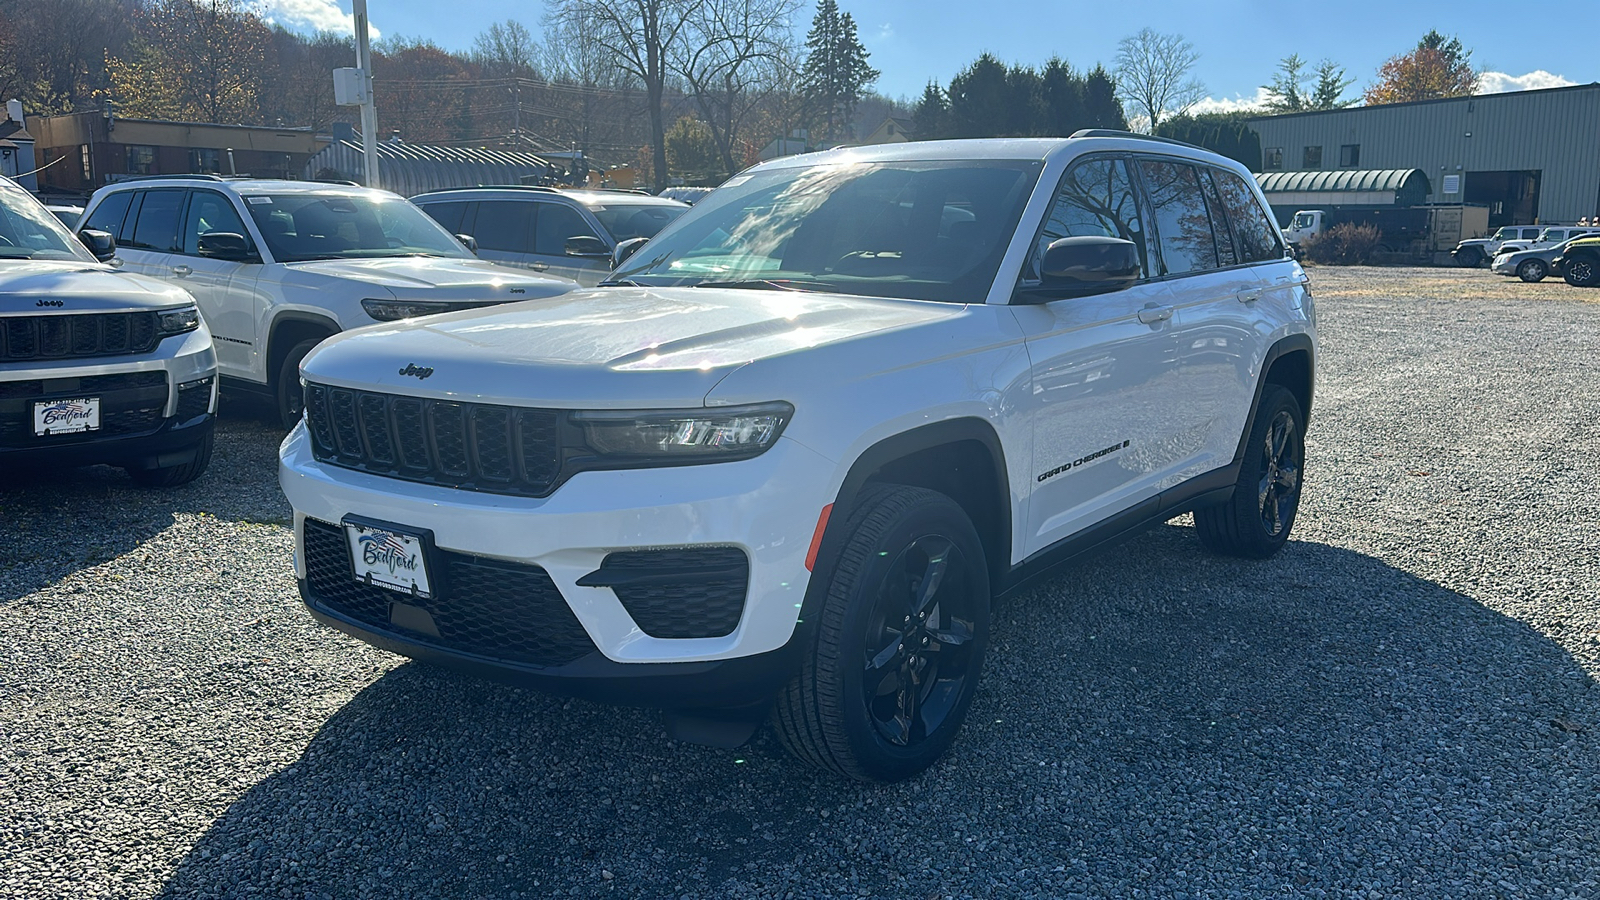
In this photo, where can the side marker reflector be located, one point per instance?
(816, 537)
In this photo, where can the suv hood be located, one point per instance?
(79, 287)
(437, 278)
(607, 348)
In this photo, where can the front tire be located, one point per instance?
(1255, 523)
(1582, 271)
(1533, 270)
(183, 473)
(1470, 258)
(290, 399)
(898, 644)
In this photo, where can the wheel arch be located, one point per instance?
(290, 328)
(1289, 363)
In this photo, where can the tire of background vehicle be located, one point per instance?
(1582, 271)
(172, 476)
(1470, 258)
(1532, 270)
(290, 398)
(1255, 523)
(898, 644)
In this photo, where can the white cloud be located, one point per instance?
(1236, 104)
(312, 15)
(885, 31)
(1501, 83)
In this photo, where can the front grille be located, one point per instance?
(131, 404)
(499, 449)
(707, 601)
(24, 338)
(488, 608)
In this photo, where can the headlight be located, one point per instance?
(177, 321)
(394, 310)
(683, 435)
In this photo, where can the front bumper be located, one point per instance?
(1502, 266)
(767, 507)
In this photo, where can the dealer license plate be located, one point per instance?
(66, 416)
(389, 558)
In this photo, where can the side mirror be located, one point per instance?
(587, 247)
(469, 242)
(225, 245)
(100, 243)
(1086, 265)
(626, 249)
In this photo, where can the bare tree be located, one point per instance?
(641, 37)
(732, 57)
(1153, 76)
(507, 49)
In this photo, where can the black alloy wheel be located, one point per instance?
(1282, 455)
(1582, 271)
(1255, 522)
(1532, 270)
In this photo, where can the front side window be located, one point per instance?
(210, 213)
(556, 224)
(109, 214)
(1312, 158)
(1255, 234)
(449, 215)
(1095, 199)
(1183, 224)
(300, 227)
(916, 230)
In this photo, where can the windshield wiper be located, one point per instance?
(620, 282)
(759, 284)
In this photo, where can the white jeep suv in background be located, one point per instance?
(277, 266)
(780, 463)
(96, 366)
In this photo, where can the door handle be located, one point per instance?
(181, 271)
(538, 267)
(1249, 296)
(1152, 314)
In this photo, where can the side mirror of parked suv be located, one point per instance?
(100, 243)
(1082, 265)
(468, 241)
(588, 247)
(225, 245)
(625, 249)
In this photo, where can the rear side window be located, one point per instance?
(1255, 234)
(448, 214)
(1095, 199)
(505, 225)
(557, 223)
(156, 227)
(109, 214)
(1183, 224)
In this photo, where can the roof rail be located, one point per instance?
(515, 187)
(1111, 132)
(172, 177)
(342, 181)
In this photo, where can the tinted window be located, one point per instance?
(448, 214)
(505, 225)
(1182, 222)
(304, 226)
(109, 214)
(1095, 199)
(1219, 220)
(557, 223)
(635, 220)
(1255, 233)
(156, 227)
(209, 213)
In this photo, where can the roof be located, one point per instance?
(10, 128)
(1340, 180)
(578, 195)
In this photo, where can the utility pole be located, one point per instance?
(369, 111)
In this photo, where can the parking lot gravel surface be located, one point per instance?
(1402, 704)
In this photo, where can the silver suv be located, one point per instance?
(96, 366)
(570, 233)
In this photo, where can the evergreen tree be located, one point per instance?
(1285, 94)
(979, 96)
(1100, 105)
(1227, 133)
(1331, 85)
(835, 73)
(1064, 110)
(931, 117)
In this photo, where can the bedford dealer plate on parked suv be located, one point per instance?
(776, 467)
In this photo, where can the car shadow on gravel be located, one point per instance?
(54, 523)
(1151, 722)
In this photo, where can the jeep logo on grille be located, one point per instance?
(52, 303)
(420, 371)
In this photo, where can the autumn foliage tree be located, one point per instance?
(196, 60)
(1438, 67)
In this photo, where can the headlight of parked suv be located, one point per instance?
(683, 435)
(178, 321)
(395, 310)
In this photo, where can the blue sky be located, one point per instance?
(1239, 41)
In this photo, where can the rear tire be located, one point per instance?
(1582, 271)
(898, 643)
(172, 476)
(1533, 270)
(290, 399)
(1255, 523)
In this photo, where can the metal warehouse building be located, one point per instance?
(1530, 156)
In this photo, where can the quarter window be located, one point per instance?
(1096, 198)
(1183, 224)
(1256, 235)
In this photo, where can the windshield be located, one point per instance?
(29, 231)
(927, 230)
(1304, 220)
(636, 220)
(300, 227)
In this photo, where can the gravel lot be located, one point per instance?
(1403, 704)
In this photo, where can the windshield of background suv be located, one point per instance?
(924, 230)
(635, 220)
(300, 227)
(29, 231)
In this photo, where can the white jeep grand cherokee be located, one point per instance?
(780, 466)
(277, 266)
